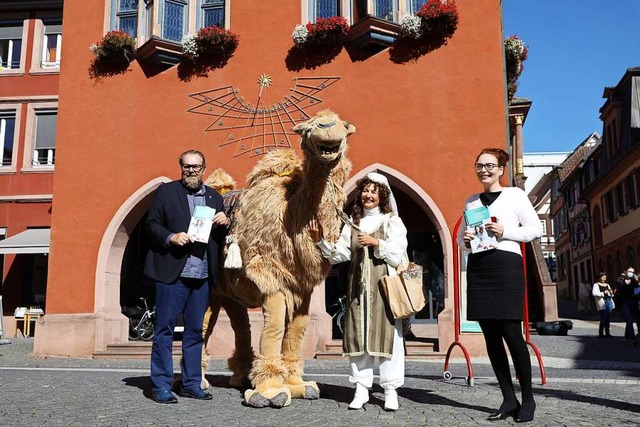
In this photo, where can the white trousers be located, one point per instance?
(391, 369)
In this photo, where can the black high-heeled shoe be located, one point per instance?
(526, 413)
(503, 415)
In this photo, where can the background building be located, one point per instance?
(571, 225)
(613, 177)
(30, 58)
(538, 168)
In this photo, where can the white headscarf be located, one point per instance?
(381, 179)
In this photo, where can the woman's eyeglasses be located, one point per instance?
(488, 166)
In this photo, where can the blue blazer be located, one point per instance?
(169, 214)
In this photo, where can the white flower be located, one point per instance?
(411, 27)
(300, 34)
(94, 48)
(189, 46)
(514, 45)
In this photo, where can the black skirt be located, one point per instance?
(495, 286)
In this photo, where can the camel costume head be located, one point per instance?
(325, 136)
(281, 263)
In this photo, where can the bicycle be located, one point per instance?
(142, 322)
(338, 316)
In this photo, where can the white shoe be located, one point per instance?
(390, 400)
(360, 398)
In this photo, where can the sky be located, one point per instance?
(576, 49)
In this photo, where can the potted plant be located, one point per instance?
(515, 53)
(115, 46)
(438, 17)
(322, 31)
(209, 41)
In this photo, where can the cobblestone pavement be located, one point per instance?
(590, 381)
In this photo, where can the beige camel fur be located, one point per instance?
(241, 360)
(281, 263)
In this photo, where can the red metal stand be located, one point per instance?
(456, 312)
(527, 337)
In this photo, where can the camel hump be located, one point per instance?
(277, 163)
(220, 181)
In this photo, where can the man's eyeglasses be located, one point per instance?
(195, 168)
(488, 166)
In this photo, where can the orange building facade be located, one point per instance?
(421, 116)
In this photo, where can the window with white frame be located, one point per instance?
(168, 19)
(211, 13)
(51, 43)
(44, 150)
(174, 16)
(7, 136)
(413, 6)
(385, 9)
(10, 44)
(126, 16)
(327, 9)
(324, 8)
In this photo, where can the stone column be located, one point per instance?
(518, 148)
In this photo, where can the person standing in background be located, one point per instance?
(627, 299)
(604, 303)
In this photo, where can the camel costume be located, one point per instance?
(281, 264)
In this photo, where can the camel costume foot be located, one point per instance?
(276, 397)
(268, 376)
(240, 365)
(299, 388)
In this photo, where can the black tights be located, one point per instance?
(495, 331)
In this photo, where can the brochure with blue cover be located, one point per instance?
(201, 223)
(476, 220)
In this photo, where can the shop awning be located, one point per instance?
(33, 241)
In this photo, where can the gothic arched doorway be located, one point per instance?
(426, 231)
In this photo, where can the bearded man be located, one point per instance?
(182, 270)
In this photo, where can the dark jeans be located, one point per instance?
(629, 313)
(190, 298)
(605, 316)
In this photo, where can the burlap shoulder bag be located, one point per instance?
(404, 292)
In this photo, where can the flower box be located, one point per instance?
(209, 41)
(515, 53)
(324, 31)
(115, 46)
(435, 17)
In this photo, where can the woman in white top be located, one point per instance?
(495, 280)
(603, 295)
(374, 250)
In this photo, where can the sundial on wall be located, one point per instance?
(256, 129)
